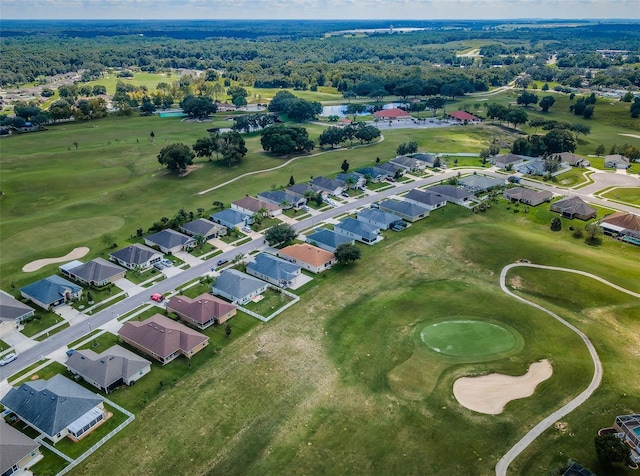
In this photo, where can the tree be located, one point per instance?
(366, 133)
(198, 106)
(147, 108)
(594, 232)
(552, 163)
(559, 140)
(556, 224)
(485, 154)
(205, 147)
(60, 109)
(516, 117)
(345, 166)
(301, 110)
(331, 136)
(611, 449)
(527, 98)
(588, 112)
(176, 157)
(282, 140)
(600, 150)
(522, 81)
(232, 147)
(546, 102)
(579, 128)
(497, 111)
(280, 233)
(280, 101)
(434, 103)
(227, 330)
(292, 181)
(107, 240)
(347, 253)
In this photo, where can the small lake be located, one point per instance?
(340, 109)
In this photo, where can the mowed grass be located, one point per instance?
(628, 195)
(309, 393)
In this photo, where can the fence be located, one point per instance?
(294, 299)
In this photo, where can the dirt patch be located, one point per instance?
(490, 393)
(40, 263)
(35, 377)
(635, 136)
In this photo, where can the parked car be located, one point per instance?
(158, 266)
(157, 297)
(344, 194)
(375, 205)
(390, 179)
(221, 262)
(166, 263)
(247, 229)
(7, 359)
(304, 208)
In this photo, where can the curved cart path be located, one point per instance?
(520, 446)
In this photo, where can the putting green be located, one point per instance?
(468, 338)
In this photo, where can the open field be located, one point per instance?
(310, 392)
(626, 195)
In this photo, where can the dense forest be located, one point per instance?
(304, 54)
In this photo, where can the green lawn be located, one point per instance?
(271, 302)
(626, 195)
(42, 320)
(574, 178)
(338, 384)
(53, 368)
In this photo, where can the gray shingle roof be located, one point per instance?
(451, 191)
(50, 405)
(201, 226)
(50, 290)
(14, 445)
(426, 197)
(108, 367)
(237, 284)
(327, 184)
(279, 196)
(169, 239)
(11, 308)
(573, 206)
(96, 270)
(374, 172)
(232, 217)
(404, 208)
(481, 182)
(327, 237)
(300, 188)
(389, 168)
(274, 267)
(428, 158)
(135, 254)
(378, 216)
(359, 228)
(404, 160)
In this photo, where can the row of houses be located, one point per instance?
(535, 165)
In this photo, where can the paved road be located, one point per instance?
(536, 431)
(75, 332)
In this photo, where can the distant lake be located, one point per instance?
(340, 109)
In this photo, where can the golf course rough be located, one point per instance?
(469, 339)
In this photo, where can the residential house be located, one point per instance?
(328, 186)
(12, 313)
(301, 189)
(407, 210)
(238, 287)
(57, 407)
(533, 167)
(51, 292)
(97, 272)
(464, 117)
(378, 218)
(309, 257)
(162, 338)
(170, 241)
(574, 207)
(283, 199)
(426, 199)
(202, 311)
(232, 218)
(18, 452)
(251, 205)
(373, 174)
(327, 240)
(429, 160)
(623, 225)
(113, 368)
(616, 161)
(358, 230)
(391, 168)
(393, 114)
(274, 270)
(203, 227)
(572, 159)
(453, 194)
(527, 196)
(629, 427)
(225, 107)
(358, 180)
(409, 164)
(509, 160)
(136, 257)
(480, 183)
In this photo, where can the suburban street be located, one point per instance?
(58, 341)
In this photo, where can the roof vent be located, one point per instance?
(161, 330)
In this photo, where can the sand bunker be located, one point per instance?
(490, 393)
(635, 136)
(39, 263)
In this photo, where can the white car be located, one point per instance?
(7, 359)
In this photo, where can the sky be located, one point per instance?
(318, 9)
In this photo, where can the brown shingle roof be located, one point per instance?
(254, 204)
(162, 336)
(624, 220)
(307, 253)
(391, 113)
(201, 309)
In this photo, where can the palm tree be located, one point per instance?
(351, 182)
(285, 204)
(200, 239)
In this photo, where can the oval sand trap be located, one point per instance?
(490, 393)
(39, 263)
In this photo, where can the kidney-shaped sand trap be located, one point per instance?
(490, 393)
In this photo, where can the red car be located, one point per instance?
(157, 297)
